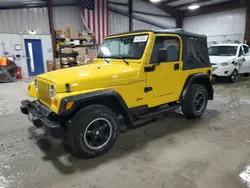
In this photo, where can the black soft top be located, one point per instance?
(166, 31)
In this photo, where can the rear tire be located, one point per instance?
(195, 101)
(234, 76)
(94, 130)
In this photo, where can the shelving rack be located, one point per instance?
(61, 55)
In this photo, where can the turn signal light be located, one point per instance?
(55, 102)
(69, 105)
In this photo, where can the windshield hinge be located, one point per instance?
(148, 89)
(149, 69)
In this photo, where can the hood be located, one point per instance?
(220, 59)
(90, 76)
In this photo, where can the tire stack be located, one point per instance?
(8, 72)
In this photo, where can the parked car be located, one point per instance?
(229, 60)
(138, 75)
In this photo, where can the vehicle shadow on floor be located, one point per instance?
(127, 143)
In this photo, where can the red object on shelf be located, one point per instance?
(19, 73)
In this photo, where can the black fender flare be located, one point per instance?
(198, 78)
(87, 97)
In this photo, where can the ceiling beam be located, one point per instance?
(214, 8)
(170, 1)
(191, 3)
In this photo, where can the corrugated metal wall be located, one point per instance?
(68, 16)
(142, 25)
(19, 20)
(8, 41)
(163, 20)
(120, 23)
(219, 26)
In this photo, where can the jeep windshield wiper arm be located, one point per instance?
(105, 59)
(120, 57)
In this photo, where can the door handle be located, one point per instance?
(176, 66)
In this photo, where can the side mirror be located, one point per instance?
(162, 55)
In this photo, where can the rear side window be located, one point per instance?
(172, 46)
(241, 52)
(246, 49)
(196, 50)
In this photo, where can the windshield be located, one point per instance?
(222, 50)
(129, 47)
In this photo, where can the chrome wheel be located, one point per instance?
(199, 102)
(98, 133)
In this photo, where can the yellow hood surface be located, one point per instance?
(91, 76)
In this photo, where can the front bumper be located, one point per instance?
(223, 71)
(41, 117)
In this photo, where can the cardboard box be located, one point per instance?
(67, 50)
(57, 64)
(50, 65)
(73, 32)
(62, 32)
(59, 32)
(92, 53)
(80, 59)
(82, 51)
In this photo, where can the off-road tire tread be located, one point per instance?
(80, 121)
(187, 103)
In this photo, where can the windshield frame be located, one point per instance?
(121, 55)
(224, 46)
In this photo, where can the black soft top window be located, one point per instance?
(197, 50)
(195, 53)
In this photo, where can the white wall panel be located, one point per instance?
(118, 23)
(163, 22)
(19, 20)
(219, 26)
(68, 16)
(8, 41)
(142, 25)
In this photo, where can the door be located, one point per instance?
(242, 60)
(245, 67)
(164, 81)
(34, 56)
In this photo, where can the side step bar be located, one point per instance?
(158, 112)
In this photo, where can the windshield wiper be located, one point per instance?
(105, 59)
(120, 57)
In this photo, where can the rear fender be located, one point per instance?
(200, 78)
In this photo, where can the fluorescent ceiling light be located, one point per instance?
(155, 1)
(193, 7)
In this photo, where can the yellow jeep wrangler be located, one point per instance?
(136, 75)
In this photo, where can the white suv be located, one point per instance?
(229, 60)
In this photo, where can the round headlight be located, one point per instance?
(52, 91)
(35, 84)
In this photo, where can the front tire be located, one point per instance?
(195, 101)
(234, 77)
(94, 130)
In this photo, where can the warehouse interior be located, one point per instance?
(169, 151)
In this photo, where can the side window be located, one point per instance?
(172, 47)
(196, 51)
(240, 52)
(246, 49)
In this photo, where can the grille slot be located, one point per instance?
(43, 92)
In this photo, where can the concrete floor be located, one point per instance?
(172, 152)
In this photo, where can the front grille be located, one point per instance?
(43, 92)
